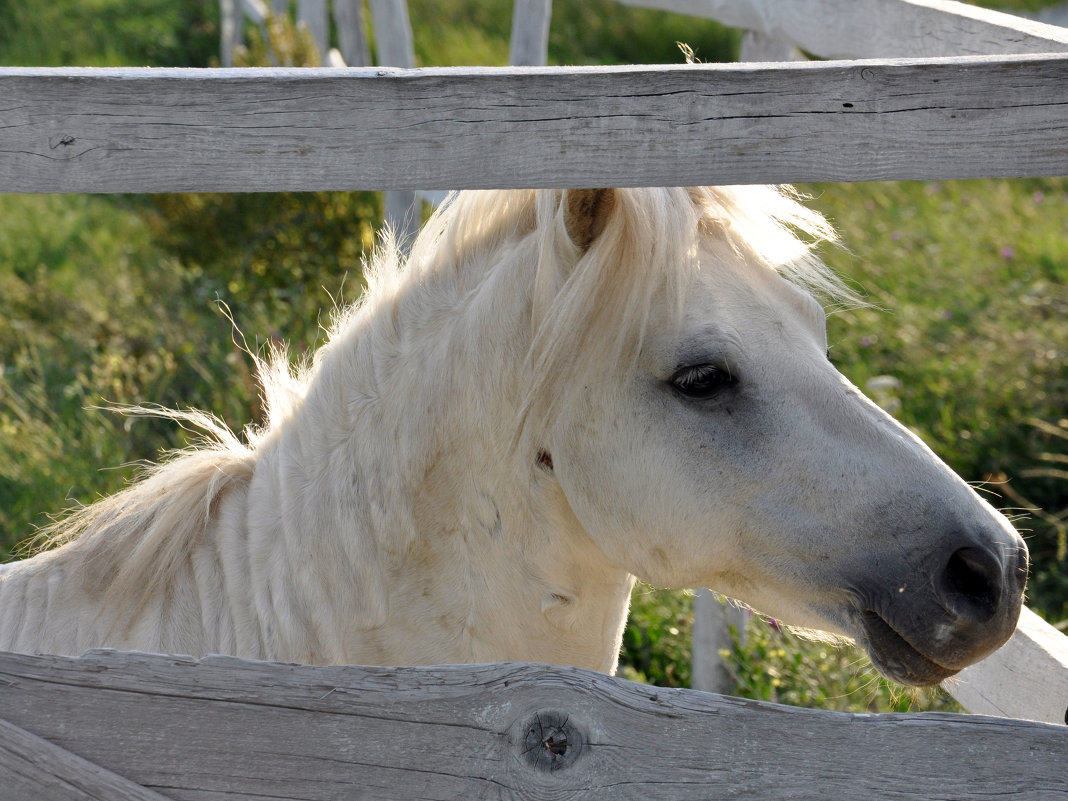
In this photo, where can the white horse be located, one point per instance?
(558, 392)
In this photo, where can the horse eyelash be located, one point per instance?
(724, 373)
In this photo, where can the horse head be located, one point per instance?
(717, 446)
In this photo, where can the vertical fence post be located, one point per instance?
(393, 33)
(313, 14)
(228, 31)
(351, 35)
(394, 46)
(713, 617)
(530, 32)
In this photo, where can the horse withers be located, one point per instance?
(557, 392)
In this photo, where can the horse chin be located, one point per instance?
(895, 657)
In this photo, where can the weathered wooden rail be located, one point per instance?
(144, 130)
(114, 725)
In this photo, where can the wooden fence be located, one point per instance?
(979, 95)
(151, 727)
(186, 130)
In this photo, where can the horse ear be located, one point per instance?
(586, 212)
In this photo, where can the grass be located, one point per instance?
(103, 33)
(113, 299)
(75, 305)
(457, 32)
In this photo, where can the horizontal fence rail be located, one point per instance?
(138, 724)
(179, 130)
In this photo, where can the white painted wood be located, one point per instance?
(879, 28)
(313, 13)
(351, 32)
(36, 770)
(393, 42)
(1027, 678)
(530, 33)
(164, 130)
(712, 623)
(223, 728)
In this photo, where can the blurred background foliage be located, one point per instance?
(118, 299)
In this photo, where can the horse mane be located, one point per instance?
(591, 309)
(127, 540)
(589, 312)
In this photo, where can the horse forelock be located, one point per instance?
(770, 225)
(592, 310)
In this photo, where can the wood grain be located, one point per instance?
(224, 728)
(163, 130)
(32, 768)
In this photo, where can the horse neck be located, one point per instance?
(462, 548)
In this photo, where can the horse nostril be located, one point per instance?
(971, 584)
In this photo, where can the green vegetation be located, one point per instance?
(115, 300)
(455, 32)
(108, 33)
(766, 661)
(773, 664)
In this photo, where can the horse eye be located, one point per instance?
(702, 381)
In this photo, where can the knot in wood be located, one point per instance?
(545, 459)
(552, 741)
(556, 742)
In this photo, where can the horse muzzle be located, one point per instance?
(930, 624)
